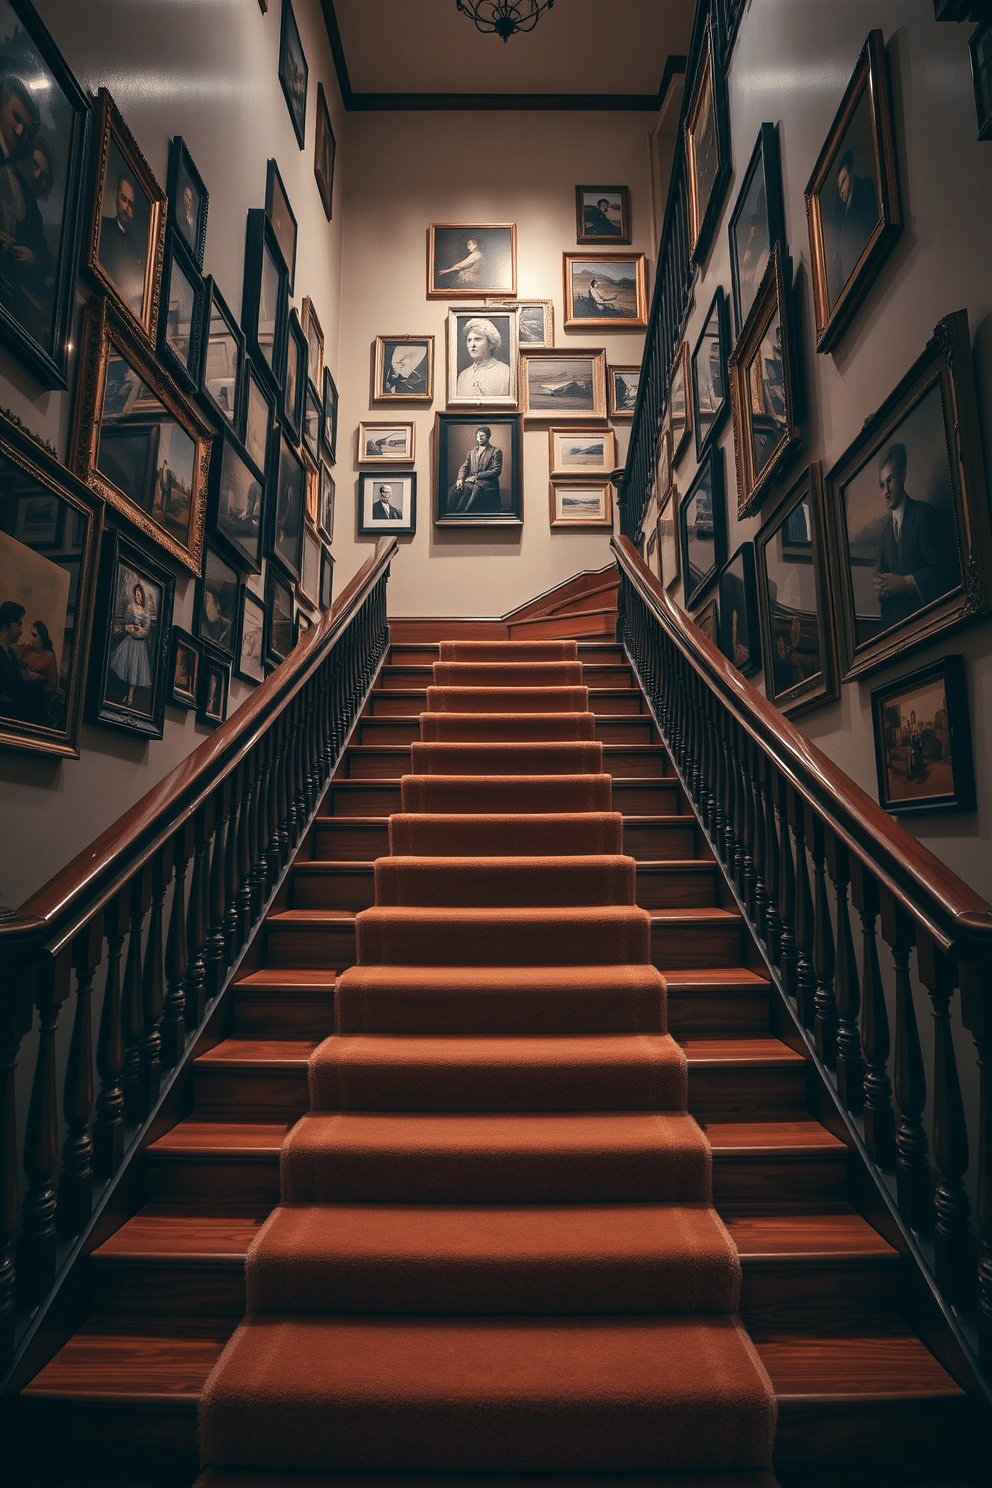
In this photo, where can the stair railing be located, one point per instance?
(802, 844)
(167, 897)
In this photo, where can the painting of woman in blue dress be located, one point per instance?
(129, 658)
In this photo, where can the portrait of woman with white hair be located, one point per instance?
(482, 356)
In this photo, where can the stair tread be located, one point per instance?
(716, 978)
(103, 1360)
(746, 1050)
(729, 1137)
(197, 1136)
(152, 1236)
(857, 1366)
(806, 1236)
(242, 1052)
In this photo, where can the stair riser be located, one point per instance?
(777, 1093)
(282, 1016)
(884, 1435)
(331, 945)
(216, 1187)
(72, 1434)
(699, 1014)
(653, 891)
(383, 731)
(675, 890)
(481, 1015)
(168, 1291)
(343, 843)
(631, 730)
(676, 946)
(363, 800)
(256, 1095)
(760, 1185)
(430, 1088)
(544, 942)
(352, 891)
(389, 765)
(564, 627)
(645, 800)
(826, 1296)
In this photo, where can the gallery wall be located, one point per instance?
(790, 67)
(208, 72)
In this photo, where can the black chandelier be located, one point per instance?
(503, 18)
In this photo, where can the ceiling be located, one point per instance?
(583, 54)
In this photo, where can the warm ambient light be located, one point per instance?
(504, 19)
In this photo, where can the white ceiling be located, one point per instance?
(594, 47)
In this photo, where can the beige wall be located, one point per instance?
(405, 171)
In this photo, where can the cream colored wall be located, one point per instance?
(791, 64)
(208, 70)
(405, 171)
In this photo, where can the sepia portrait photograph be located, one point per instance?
(387, 505)
(188, 200)
(184, 670)
(128, 223)
(132, 625)
(482, 358)
(602, 214)
(403, 369)
(293, 71)
(217, 602)
(382, 444)
(703, 527)
(281, 632)
(236, 493)
(607, 289)
(288, 510)
(585, 452)
(471, 259)
(623, 385)
(558, 384)
(581, 504)
(479, 474)
(324, 149)
(757, 223)
(923, 752)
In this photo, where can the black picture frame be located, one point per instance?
(739, 628)
(294, 376)
(592, 224)
(181, 338)
(326, 579)
(259, 418)
(293, 71)
(329, 427)
(703, 528)
(764, 356)
(280, 634)
(980, 51)
(282, 220)
(287, 506)
(184, 670)
(265, 299)
(324, 151)
(475, 504)
(237, 502)
(129, 678)
(217, 609)
(757, 222)
(215, 688)
(710, 382)
(707, 142)
(222, 371)
(325, 507)
(38, 330)
(313, 418)
(393, 490)
(924, 763)
(189, 200)
(250, 658)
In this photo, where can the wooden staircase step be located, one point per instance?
(253, 1078)
(676, 883)
(322, 884)
(684, 937)
(174, 1264)
(403, 729)
(654, 838)
(770, 1166)
(569, 625)
(362, 798)
(311, 937)
(707, 1001)
(626, 728)
(354, 839)
(221, 1167)
(743, 1076)
(609, 653)
(296, 1001)
(828, 1272)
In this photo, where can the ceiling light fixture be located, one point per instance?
(503, 18)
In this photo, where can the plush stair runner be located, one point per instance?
(496, 1251)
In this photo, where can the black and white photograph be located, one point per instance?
(558, 384)
(325, 513)
(762, 392)
(581, 504)
(282, 220)
(606, 289)
(188, 200)
(582, 452)
(403, 369)
(313, 417)
(250, 663)
(602, 214)
(923, 753)
(385, 444)
(184, 670)
(43, 117)
(680, 403)
(623, 385)
(315, 341)
(466, 259)
(479, 472)
(757, 223)
(326, 579)
(288, 509)
(739, 634)
(223, 357)
(710, 390)
(265, 299)
(294, 383)
(703, 528)
(293, 71)
(387, 503)
(131, 645)
(215, 683)
(535, 322)
(236, 496)
(127, 229)
(180, 321)
(324, 149)
(482, 358)
(706, 144)
(308, 589)
(259, 418)
(281, 632)
(329, 429)
(217, 609)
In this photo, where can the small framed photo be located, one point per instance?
(663, 461)
(184, 670)
(582, 452)
(288, 510)
(315, 342)
(217, 610)
(710, 392)
(706, 144)
(581, 503)
(385, 444)
(304, 624)
(535, 322)
(326, 579)
(188, 200)
(623, 384)
(795, 606)
(293, 71)
(181, 314)
(282, 220)
(250, 659)
(469, 259)
(403, 369)
(329, 428)
(923, 753)
(852, 197)
(605, 289)
(312, 476)
(215, 685)
(325, 515)
(294, 381)
(387, 503)
(223, 357)
(324, 149)
(479, 470)
(703, 528)
(280, 635)
(482, 358)
(260, 411)
(762, 389)
(558, 384)
(308, 589)
(980, 47)
(602, 214)
(236, 497)
(757, 223)
(651, 552)
(739, 635)
(127, 227)
(130, 653)
(265, 299)
(668, 539)
(909, 510)
(680, 403)
(313, 417)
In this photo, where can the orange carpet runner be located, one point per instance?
(496, 1252)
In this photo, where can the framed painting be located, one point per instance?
(138, 441)
(180, 322)
(663, 461)
(680, 403)
(315, 341)
(795, 606)
(558, 384)
(326, 579)
(308, 589)
(602, 214)
(215, 685)
(651, 552)
(923, 754)
(324, 149)
(403, 369)
(280, 634)
(710, 393)
(387, 504)
(762, 389)
(329, 427)
(293, 71)
(384, 444)
(469, 259)
(294, 381)
(184, 670)
(482, 358)
(259, 418)
(581, 503)
(304, 624)
(325, 516)
(606, 290)
(479, 471)
(265, 299)
(40, 251)
(250, 657)
(313, 417)
(909, 511)
(703, 528)
(852, 197)
(707, 149)
(536, 322)
(282, 220)
(287, 509)
(757, 223)
(980, 47)
(237, 492)
(581, 452)
(623, 384)
(668, 539)
(739, 636)
(127, 225)
(223, 366)
(188, 200)
(49, 535)
(217, 603)
(130, 654)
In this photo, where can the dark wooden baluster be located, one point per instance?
(771, 867)
(789, 957)
(153, 987)
(215, 947)
(755, 837)
(36, 1253)
(976, 1014)
(247, 831)
(805, 972)
(283, 821)
(260, 825)
(729, 844)
(742, 845)
(879, 1118)
(174, 1008)
(913, 1183)
(108, 1129)
(273, 796)
(195, 984)
(232, 869)
(16, 1013)
(850, 1064)
(76, 1179)
(825, 1017)
(133, 1008)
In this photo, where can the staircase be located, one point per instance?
(860, 1399)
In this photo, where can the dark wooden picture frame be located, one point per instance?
(313, 417)
(707, 146)
(222, 365)
(265, 299)
(282, 220)
(739, 632)
(250, 657)
(184, 670)
(217, 608)
(592, 224)
(237, 501)
(329, 427)
(474, 505)
(326, 579)
(280, 634)
(294, 376)
(680, 403)
(132, 641)
(757, 222)
(259, 418)
(293, 71)
(324, 151)
(181, 338)
(980, 51)
(710, 381)
(761, 371)
(287, 506)
(215, 689)
(189, 200)
(703, 528)
(924, 763)
(325, 509)
(398, 490)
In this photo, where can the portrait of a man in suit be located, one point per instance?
(476, 488)
(917, 561)
(383, 509)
